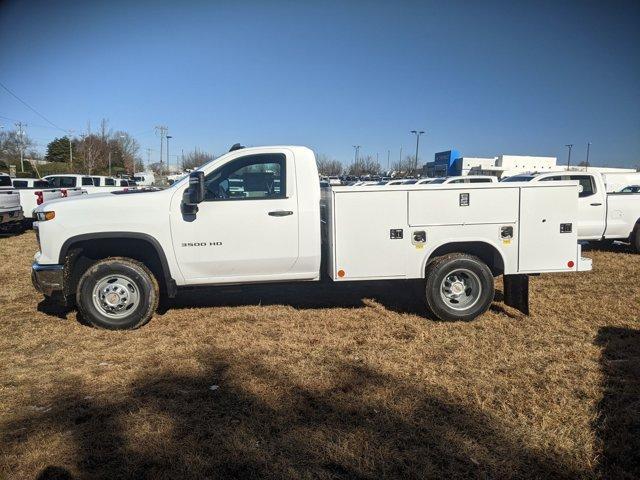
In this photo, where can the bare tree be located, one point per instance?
(128, 149)
(366, 165)
(406, 167)
(328, 166)
(196, 159)
(10, 145)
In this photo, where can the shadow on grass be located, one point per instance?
(399, 296)
(258, 423)
(608, 246)
(618, 424)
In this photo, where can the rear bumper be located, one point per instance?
(47, 279)
(8, 216)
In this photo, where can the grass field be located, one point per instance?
(325, 382)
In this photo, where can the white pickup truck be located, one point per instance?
(602, 216)
(257, 215)
(11, 215)
(36, 191)
(91, 184)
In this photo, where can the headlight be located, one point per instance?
(44, 216)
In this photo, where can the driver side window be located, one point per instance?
(248, 178)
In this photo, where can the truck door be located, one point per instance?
(591, 205)
(246, 229)
(592, 208)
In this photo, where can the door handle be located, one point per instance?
(280, 213)
(596, 204)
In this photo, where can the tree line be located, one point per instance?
(365, 165)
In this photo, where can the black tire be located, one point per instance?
(635, 238)
(466, 268)
(133, 279)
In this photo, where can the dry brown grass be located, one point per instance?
(325, 382)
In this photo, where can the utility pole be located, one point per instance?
(163, 131)
(168, 159)
(388, 160)
(109, 162)
(148, 157)
(182, 166)
(70, 150)
(570, 146)
(20, 126)
(355, 157)
(417, 134)
(588, 148)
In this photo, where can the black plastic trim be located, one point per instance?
(170, 283)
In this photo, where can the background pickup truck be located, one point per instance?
(257, 215)
(91, 184)
(602, 216)
(11, 215)
(36, 191)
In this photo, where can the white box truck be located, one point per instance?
(257, 215)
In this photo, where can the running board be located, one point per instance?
(516, 292)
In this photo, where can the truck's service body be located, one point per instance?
(360, 221)
(388, 232)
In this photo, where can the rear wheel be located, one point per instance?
(117, 294)
(635, 238)
(458, 287)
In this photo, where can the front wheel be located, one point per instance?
(458, 287)
(117, 294)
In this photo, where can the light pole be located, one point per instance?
(417, 133)
(355, 157)
(168, 159)
(570, 146)
(588, 148)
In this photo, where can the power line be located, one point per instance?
(31, 108)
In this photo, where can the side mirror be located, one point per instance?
(194, 194)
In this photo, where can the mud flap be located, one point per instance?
(516, 292)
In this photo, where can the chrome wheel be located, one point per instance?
(116, 296)
(461, 289)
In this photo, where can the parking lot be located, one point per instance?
(300, 382)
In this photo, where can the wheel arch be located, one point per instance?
(100, 245)
(485, 251)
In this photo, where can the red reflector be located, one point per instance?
(570, 264)
(64, 192)
(40, 198)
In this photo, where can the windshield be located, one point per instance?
(5, 181)
(438, 180)
(518, 178)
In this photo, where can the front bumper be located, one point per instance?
(9, 216)
(47, 278)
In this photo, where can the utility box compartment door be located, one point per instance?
(548, 229)
(458, 206)
(371, 235)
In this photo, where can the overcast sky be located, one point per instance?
(484, 78)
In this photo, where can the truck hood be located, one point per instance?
(101, 208)
(96, 200)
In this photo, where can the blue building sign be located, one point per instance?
(446, 162)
